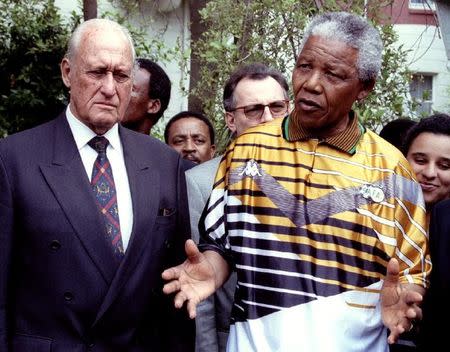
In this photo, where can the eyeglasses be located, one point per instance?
(254, 112)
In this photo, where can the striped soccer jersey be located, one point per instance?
(310, 230)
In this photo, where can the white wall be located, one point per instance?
(171, 26)
(428, 55)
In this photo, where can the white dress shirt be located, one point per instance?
(82, 135)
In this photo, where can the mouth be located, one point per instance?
(107, 106)
(307, 104)
(428, 187)
(192, 158)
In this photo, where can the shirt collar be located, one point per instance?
(83, 134)
(345, 141)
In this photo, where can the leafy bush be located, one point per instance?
(33, 37)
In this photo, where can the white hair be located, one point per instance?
(98, 23)
(354, 31)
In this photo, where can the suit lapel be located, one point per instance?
(67, 178)
(144, 181)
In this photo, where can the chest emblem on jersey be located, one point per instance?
(372, 192)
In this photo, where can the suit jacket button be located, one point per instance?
(68, 296)
(55, 245)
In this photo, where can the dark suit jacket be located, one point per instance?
(60, 290)
(436, 306)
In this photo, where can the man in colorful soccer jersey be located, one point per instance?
(321, 218)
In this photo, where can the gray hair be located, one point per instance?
(100, 23)
(355, 31)
(255, 71)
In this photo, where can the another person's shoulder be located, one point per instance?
(203, 168)
(267, 132)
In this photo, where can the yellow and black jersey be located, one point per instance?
(310, 229)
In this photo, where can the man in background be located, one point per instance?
(149, 97)
(254, 94)
(192, 135)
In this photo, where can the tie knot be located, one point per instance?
(99, 144)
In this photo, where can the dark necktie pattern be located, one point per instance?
(102, 182)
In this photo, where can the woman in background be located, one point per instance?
(427, 148)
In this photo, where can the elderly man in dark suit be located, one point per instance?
(90, 215)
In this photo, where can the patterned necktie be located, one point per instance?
(102, 182)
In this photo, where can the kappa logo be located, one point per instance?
(251, 169)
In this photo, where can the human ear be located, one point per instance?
(153, 106)
(230, 121)
(367, 87)
(65, 71)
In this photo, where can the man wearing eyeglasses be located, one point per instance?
(253, 94)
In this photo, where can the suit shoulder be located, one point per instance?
(34, 137)
(204, 168)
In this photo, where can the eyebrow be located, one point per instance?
(185, 135)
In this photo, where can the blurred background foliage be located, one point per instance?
(33, 38)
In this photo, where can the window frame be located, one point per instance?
(425, 106)
(423, 5)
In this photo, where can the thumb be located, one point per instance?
(192, 252)
(392, 272)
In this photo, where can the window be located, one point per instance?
(422, 5)
(421, 90)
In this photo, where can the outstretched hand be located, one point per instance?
(399, 302)
(192, 281)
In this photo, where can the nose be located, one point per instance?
(189, 145)
(312, 82)
(429, 171)
(108, 87)
(267, 115)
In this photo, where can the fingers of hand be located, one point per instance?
(179, 299)
(405, 324)
(393, 336)
(172, 286)
(412, 297)
(171, 274)
(192, 252)
(414, 313)
(392, 272)
(192, 308)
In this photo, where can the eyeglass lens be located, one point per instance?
(277, 108)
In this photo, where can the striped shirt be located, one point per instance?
(310, 229)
